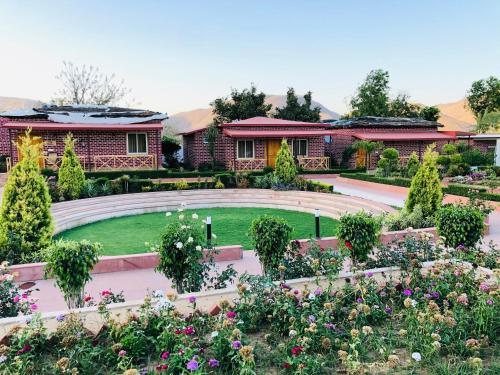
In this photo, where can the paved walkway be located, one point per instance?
(137, 283)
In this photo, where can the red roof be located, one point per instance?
(46, 125)
(266, 121)
(237, 133)
(404, 136)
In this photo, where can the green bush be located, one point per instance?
(412, 165)
(460, 225)
(404, 219)
(425, 189)
(476, 158)
(285, 165)
(358, 233)
(449, 149)
(71, 177)
(271, 236)
(70, 264)
(25, 211)
(181, 185)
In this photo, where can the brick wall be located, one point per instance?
(91, 142)
(4, 139)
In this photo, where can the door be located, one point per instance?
(361, 158)
(35, 140)
(272, 148)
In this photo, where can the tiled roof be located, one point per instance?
(238, 133)
(404, 136)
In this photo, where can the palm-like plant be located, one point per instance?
(368, 147)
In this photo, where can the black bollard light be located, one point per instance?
(316, 214)
(209, 231)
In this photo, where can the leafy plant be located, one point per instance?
(181, 185)
(460, 225)
(271, 236)
(285, 165)
(71, 177)
(70, 263)
(13, 301)
(358, 233)
(425, 189)
(388, 163)
(405, 219)
(368, 147)
(412, 165)
(26, 203)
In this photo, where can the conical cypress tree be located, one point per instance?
(71, 176)
(285, 165)
(25, 218)
(425, 189)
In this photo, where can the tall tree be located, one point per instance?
(25, 219)
(71, 176)
(372, 97)
(429, 113)
(401, 107)
(285, 169)
(212, 134)
(240, 106)
(295, 111)
(484, 96)
(87, 85)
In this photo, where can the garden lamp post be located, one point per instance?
(209, 230)
(316, 217)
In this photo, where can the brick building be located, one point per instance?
(107, 138)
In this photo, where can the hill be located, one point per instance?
(9, 103)
(199, 118)
(456, 116)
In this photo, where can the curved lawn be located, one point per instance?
(127, 235)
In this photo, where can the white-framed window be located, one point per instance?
(299, 147)
(246, 149)
(137, 143)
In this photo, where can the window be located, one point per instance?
(245, 150)
(328, 139)
(299, 147)
(137, 143)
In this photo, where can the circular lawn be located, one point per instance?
(128, 234)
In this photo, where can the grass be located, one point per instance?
(127, 235)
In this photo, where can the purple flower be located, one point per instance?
(388, 310)
(192, 299)
(236, 344)
(383, 294)
(369, 274)
(192, 365)
(329, 325)
(311, 318)
(407, 292)
(359, 300)
(213, 362)
(318, 291)
(489, 302)
(435, 295)
(427, 296)
(60, 317)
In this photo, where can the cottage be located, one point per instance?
(107, 138)
(253, 144)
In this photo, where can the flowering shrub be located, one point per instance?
(13, 301)
(182, 258)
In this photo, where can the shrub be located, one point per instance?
(404, 219)
(70, 264)
(271, 236)
(219, 184)
(412, 165)
(285, 165)
(71, 177)
(449, 149)
(26, 205)
(359, 234)
(268, 169)
(181, 185)
(388, 163)
(13, 301)
(425, 189)
(476, 158)
(460, 225)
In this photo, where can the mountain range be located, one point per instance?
(454, 116)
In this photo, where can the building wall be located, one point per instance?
(101, 143)
(4, 140)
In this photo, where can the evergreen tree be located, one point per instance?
(295, 111)
(412, 165)
(425, 189)
(71, 176)
(25, 218)
(285, 165)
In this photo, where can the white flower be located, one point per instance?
(183, 227)
(158, 293)
(214, 236)
(198, 248)
(181, 217)
(311, 296)
(9, 277)
(413, 303)
(204, 222)
(179, 245)
(163, 304)
(292, 333)
(3, 358)
(190, 239)
(240, 322)
(194, 216)
(416, 356)
(168, 214)
(214, 334)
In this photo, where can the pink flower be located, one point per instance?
(189, 330)
(484, 287)
(192, 299)
(105, 293)
(16, 298)
(165, 355)
(25, 295)
(34, 307)
(122, 353)
(231, 314)
(87, 298)
(462, 299)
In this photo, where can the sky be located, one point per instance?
(181, 55)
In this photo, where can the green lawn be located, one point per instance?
(127, 235)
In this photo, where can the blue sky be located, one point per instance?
(180, 55)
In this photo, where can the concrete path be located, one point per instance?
(136, 284)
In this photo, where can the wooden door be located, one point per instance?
(361, 158)
(272, 148)
(35, 140)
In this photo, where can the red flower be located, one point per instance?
(348, 244)
(286, 365)
(26, 348)
(105, 293)
(87, 298)
(296, 350)
(189, 330)
(231, 314)
(178, 331)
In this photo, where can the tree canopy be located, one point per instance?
(372, 99)
(240, 105)
(295, 111)
(484, 96)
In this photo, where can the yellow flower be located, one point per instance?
(342, 355)
(131, 371)
(63, 364)
(436, 345)
(476, 362)
(435, 337)
(402, 332)
(367, 330)
(328, 305)
(326, 343)
(392, 361)
(246, 353)
(354, 332)
(172, 296)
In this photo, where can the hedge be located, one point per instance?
(453, 189)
